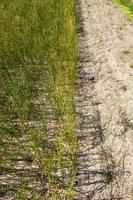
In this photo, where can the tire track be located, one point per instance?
(101, 172)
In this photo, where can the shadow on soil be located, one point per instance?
(99, 175)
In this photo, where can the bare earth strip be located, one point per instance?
(104, 102)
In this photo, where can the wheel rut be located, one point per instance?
(102, 169)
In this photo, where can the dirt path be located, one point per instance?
(104, 102)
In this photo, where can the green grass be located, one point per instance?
(126, 6)
(38, 56)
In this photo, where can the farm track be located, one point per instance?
(104, 102)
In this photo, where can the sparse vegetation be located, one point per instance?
(131, 65)
(37, 61)
(126, 6)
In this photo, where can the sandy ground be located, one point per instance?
(104, 102)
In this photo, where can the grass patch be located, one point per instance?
(38, 57)
(131, 66)
(126, 6)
